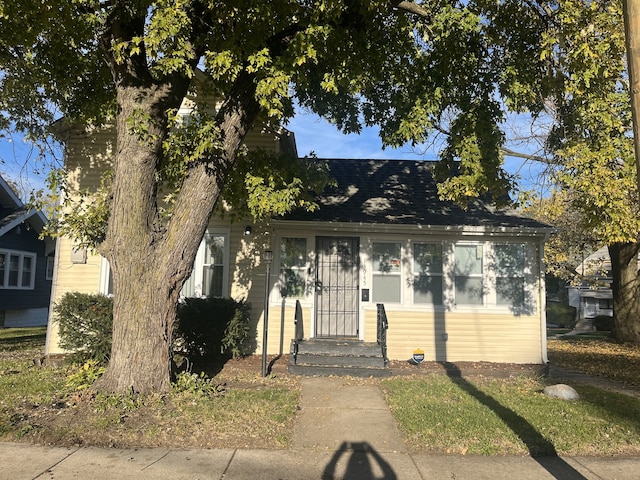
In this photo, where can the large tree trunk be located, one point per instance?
(626, 291)
(151, 258)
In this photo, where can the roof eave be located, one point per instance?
(35, 218)
(463, 230)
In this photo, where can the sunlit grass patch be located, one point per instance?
(510, 417)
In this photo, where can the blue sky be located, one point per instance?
(312, 134)
(316, 134)
(17, 164)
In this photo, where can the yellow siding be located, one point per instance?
(70, 277)
(247, 278)
(87, 156)
(280, 327)
(470, 336)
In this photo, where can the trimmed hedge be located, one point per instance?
(206, 329)
(85, 325)
(603, 323)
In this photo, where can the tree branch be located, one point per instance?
(410, 7)
(527, 156)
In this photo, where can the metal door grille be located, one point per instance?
(337, 286)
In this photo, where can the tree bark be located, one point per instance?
(150, 257)
(151, 260)
(626, 291)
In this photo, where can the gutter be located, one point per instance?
(361, 227)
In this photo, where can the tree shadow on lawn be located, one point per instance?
(540, 448)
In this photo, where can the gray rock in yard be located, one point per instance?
(562, 391)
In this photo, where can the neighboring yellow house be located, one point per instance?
(461, 285)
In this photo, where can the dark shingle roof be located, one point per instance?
(14, 212)
(400, 192)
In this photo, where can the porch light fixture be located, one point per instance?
(267, 256)
(247, 230)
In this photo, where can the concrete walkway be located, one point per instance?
(344, 431)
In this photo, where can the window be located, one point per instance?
(50, 264)
(210, 275)
(213, 267)
(509, 263)
(468, 275)
(427, 273)
(605, 304)
(293, 267)
(387, 272)
(17, 270)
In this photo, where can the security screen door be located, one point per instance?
(337, 286)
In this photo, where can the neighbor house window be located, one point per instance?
(427, 273)
(468, 274)
(293, 267)
(387, 272)
(605, 304)
(509, 263)
(17, 270)
(50, 265)
(213, 267)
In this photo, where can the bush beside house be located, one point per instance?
(561, 314)
(207, 329)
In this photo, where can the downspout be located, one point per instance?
(53, 296)
(542, 300)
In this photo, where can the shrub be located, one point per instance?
(85, 325)
(212, 328)
(561, 314)
(603, 323)
(85, 376)
(197, 385)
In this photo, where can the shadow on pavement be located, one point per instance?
(540, 448)
(363, 461)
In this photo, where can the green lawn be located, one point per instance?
(513, 416)
(434, 412)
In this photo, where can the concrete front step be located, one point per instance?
(339, 347)
(328, 370)
(338, 357)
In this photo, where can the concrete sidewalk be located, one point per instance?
(344, 431)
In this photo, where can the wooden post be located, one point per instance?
(632, 41)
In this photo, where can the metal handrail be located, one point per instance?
(383, 326)
(299, 331)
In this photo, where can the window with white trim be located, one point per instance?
(17, 270)
(468, 271)
(427, 273)
(510, 279)
(50, 265)
(387, 272)
(293, 267)
(213, 268)
(210, 275)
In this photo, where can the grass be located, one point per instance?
(490, 417)
(512, 416)
(37, 404)
(435, 413)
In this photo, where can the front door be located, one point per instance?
(337, 262)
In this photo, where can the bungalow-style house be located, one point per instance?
(26, 263)
(382, 249)
(594, 297)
